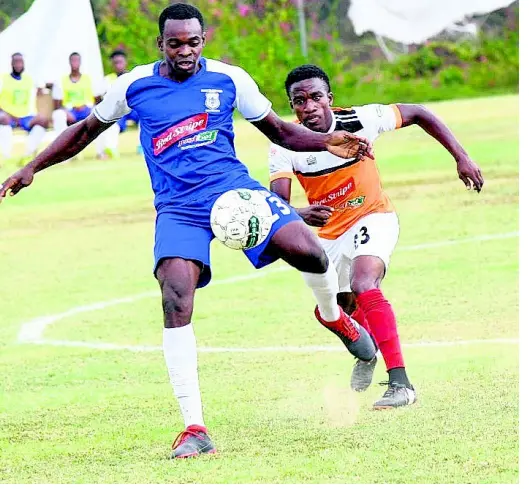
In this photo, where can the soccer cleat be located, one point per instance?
(397, 395)
(362, 375)
(355, 338)
(193, 441)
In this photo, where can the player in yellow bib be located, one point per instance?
(74, 96)
(18, 109)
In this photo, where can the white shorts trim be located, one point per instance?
(374, 235)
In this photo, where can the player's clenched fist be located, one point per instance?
(347, 145)
(16, 182)
(315, 215)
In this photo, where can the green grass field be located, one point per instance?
(82, 234)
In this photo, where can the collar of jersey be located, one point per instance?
(333, 123)
(202, 63)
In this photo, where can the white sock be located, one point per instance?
(112, 137)
(58, 117)
(101, 143)
(6, 140)
(325, 289)
(180, 352)
(35, 137)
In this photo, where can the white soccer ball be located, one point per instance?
(241, 219)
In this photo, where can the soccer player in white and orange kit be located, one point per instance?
(358, 226)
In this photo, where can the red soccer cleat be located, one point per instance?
(193, 441)
(354, 336)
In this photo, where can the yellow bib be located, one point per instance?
(77, 94)
(111, 78)
(17, 97)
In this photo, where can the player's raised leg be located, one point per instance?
(178, 280)
(296, 244)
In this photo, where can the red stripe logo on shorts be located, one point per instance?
(181, 130)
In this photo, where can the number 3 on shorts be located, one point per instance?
(284, 209)
(364, 237)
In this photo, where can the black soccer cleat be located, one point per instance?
(397, 395)
(362, 375)
(193, 441)
(353, 335)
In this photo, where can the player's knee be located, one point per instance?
(177, 301)
(314, 260)
(4, 120)
(363, 283)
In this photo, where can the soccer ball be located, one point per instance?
(241, 219)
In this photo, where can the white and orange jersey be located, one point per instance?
(352, 187)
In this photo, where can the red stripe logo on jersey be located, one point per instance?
(335, 194)
(181, 130)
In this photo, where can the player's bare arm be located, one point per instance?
(313, 215)
(467, 170)
(298, 138)
(71, 142)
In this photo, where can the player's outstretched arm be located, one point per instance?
(298, 138)
(71, 141)
(467, 170)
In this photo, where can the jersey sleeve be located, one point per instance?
(249, 101)
(378, 119)
(114, 105)
(280, 163)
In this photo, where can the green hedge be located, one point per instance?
(263, 39)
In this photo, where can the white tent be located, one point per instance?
(414, 21)
(47, 34)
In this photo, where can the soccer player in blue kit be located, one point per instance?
(185, 105)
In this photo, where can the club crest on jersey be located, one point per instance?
(212, 101)
(312, 160)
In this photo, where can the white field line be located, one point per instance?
(32, 331)
(269, 349)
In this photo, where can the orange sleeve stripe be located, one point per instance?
(281, 174)
(398, 115)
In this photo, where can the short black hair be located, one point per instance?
(16, 54)
(75, 53)
(179, 11)
(118, 52)
(305, 72)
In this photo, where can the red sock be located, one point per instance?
(359, 316)
(383, 325)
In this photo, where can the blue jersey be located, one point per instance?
(187, 128)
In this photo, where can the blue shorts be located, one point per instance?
(81, 113)
(133, 116)
(187, 233)
(22, 122)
